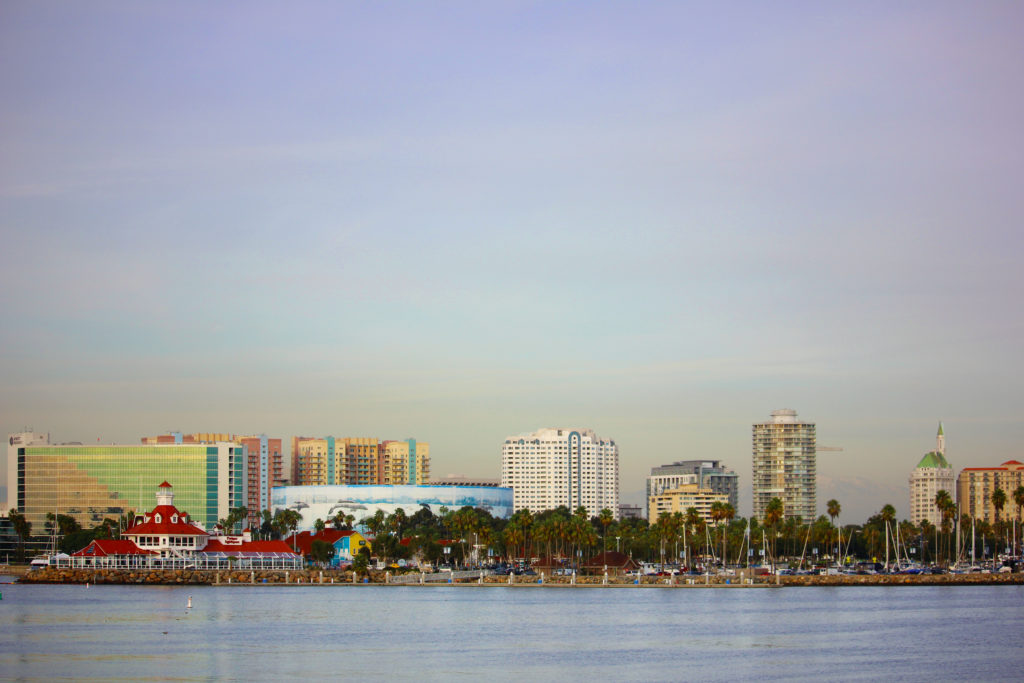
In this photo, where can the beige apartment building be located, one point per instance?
(360, 461)
(975, 486)
(681, 499)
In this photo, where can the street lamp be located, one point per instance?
(617, 543)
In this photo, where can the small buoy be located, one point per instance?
(189, 605)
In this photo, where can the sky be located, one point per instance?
(463, 221)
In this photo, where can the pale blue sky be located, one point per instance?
(462, 221)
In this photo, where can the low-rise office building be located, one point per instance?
(681, 499)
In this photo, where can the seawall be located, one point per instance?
(327, 577)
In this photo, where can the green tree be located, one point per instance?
(22, 529)
(998, 502)
(606, 518)
(772, 516)
(361, 562)
(319, 525)
(887, 515)
(1018, 498)
(947, 509)
(321, 552)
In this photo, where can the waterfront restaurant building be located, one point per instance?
(168, 538)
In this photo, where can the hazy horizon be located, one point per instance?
(461, 222)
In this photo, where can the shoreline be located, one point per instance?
(52, 575)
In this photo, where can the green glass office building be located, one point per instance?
(90, 483)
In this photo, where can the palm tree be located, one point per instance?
(772, 516)
(692, 520)
(944, 503)
(727, 513)
(834, 508)
(22, 529)
(887, 515)
(1018, 498)
(998, 501)
(606, 518)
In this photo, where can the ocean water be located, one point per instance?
(376, 633)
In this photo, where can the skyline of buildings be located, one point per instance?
(785, 465)
(552, 467)
(50, 477)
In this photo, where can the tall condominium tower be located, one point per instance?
(570, 467)
(785, 465)
(932, 474)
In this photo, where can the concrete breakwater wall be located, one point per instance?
(317, 577)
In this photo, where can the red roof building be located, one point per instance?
(346, 543)
(166, 537)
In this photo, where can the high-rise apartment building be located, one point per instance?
(93, 482)
(706, 474)
(360, 461)
(975, 486)
(785, 465)
(932, 474)
(570, 467)
(264, 471)
(405, 462)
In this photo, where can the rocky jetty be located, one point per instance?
(318, 577)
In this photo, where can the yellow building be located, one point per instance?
(359, 461)
(682, 498)
(405, 462)
(311, 461)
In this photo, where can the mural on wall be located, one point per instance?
(325, 502)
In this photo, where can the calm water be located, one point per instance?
(450, 633)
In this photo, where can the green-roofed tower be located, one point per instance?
(932, 474)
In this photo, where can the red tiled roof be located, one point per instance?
(304, 540)
(110, 546)
(216, 546)
(165, 526)
(165, 485)
(1012, 462)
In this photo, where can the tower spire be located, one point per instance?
(940, 441)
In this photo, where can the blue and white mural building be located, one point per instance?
(325, 502)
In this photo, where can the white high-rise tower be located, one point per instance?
(785, 465)
(932, 474)
(570, 467)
